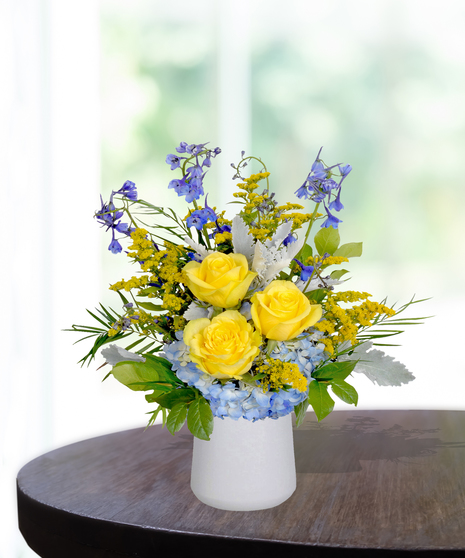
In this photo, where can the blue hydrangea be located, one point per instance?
(235, 399)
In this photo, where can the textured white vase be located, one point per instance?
(245, 465)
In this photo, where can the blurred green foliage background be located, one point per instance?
(380, 85)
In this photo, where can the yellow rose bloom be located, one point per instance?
(223, 347)
(282, 311)
(221, 279)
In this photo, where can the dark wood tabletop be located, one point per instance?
(369, 483)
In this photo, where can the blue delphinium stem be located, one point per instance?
(310, 224)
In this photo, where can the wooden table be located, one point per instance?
(369, 483)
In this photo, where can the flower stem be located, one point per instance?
(126, 208)
(263, 165)
(310, 224)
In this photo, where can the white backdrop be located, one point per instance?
(51, 262)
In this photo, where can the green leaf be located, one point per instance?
(306, 253)
(151, 306)
(165, 387)
(123, 298)
(327, 240)
(350, 250)
(105, 325)
(320, 399)
(175, 396)
(130, 373)
(300, 411)
(316, 296)
(147, 291)
(177, 418)
(251, 380)
(334, 370)
(163, 368)
(345, 391)
(153, 397)
(153, 418)
(200, 419)
(338, 273)
(132, 345)
(101, 340)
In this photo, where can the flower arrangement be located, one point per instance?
(240, 317)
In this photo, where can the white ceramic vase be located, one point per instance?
(245, 465)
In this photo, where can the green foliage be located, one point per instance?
(163, 368)
(320, 399)
(300, 411)
(327, 240)
(338, 273)
(200, 419)
(350, 250)
(101, 340)
(124, 300)
(177, 417)
(381, 321)
(106, 318)
(151, 306)
(134, 375)
(345, 391)
(176, 396)
(178, 229)
(251, 380)
(306, 253)
(155, 414)
(316, 296)
(334, 371)
(147, 291)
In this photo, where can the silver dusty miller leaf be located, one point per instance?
(380, 368)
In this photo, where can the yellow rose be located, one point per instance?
(223, 347)
(221, 279)
(282, 311)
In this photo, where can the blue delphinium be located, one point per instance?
(236, 399)
(109, 217)
(191, 184)
(320, 187)
(201, 217)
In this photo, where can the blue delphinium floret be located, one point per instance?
(174, 161)
(336, 204)
(290, 238)
(344, 170)
(128, 190)
(197, 219)
(115, 247)
(331, 220)
(307, 270)
(194, 256)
